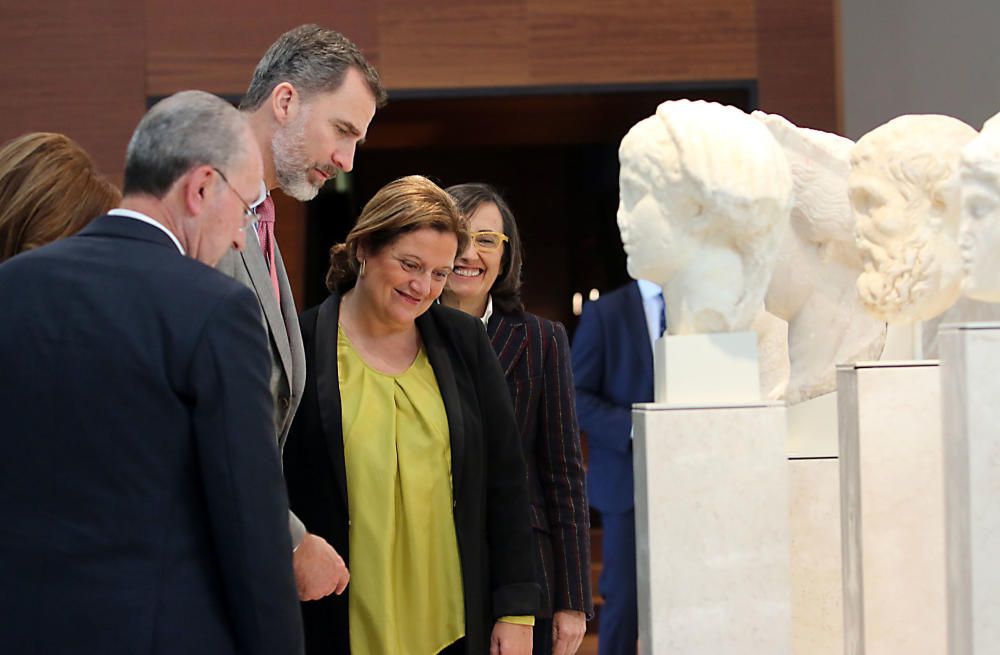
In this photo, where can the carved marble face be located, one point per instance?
(903, 189)
(979, 235)
(705, 195)
(656, 205)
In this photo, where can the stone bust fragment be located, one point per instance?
(705, 197)
(814, 287)
(904, 193)
(979, 234)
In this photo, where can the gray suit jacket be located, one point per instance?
(288, 360)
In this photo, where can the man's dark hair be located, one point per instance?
(314, 60)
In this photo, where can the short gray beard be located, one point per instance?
(290, 159)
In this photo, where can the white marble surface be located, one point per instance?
(814, 286)
(812, 427)
(712, 368)
(817, 606)
(905, 198)
(970, 360)
(712, 530)
(979, 232)
(705, 197)
(892, 508)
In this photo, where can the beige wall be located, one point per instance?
(919, 57)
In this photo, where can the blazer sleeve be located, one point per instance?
(240, 470)
(561, 475)
(607, 423)
(515, 591)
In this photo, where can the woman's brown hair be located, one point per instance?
(410, 203)
(506, 290)
(49, 189)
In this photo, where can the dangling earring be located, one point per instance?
(361, 271)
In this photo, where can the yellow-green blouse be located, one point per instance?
(406, 580)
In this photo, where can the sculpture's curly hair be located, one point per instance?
(918, 157)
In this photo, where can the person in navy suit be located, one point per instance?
(142, 507)
(613, 368)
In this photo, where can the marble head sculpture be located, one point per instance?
(813, 287)
(979, 236)
(705, 196)
(904, 193)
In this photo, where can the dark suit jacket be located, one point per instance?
(142, 508)
(534, 356)
(613, 368)
(488, 476)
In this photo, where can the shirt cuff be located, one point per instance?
(518, 620)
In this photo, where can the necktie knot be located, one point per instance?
(265, 212)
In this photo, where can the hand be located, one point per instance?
(510, 639)
(319, 570)
(568, 628)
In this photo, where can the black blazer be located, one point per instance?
(534, 355)
(488, 476)
(142, 508)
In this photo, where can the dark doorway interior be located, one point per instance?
(553, 155)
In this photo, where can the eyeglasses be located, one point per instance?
(248, 213)
(416, 268)
(487, 241)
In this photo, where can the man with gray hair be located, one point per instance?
(309, 105)
(141, 492)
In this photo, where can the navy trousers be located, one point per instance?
(618, 633)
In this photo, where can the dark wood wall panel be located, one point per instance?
(564, 42)
(797, 61)
(453, 43)
(76, 68)
(87, 69)
(596, 41)
(194, 45)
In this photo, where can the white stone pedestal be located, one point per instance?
(812, 427)
(817, 585)
(892, 508)
(718, 367)
(814, 472)
(970, 386)
(711, 486)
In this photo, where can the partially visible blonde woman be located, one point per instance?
(49, 189)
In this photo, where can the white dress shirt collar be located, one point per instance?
(139, 216)
(485, 318)
(652, 306)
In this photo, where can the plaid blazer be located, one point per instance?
(535, 358)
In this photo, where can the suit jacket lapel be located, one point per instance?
(437, 355)
(296, 354)
(506, 332)
(328, 387)
(253, 259)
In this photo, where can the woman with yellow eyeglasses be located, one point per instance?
(534, 355)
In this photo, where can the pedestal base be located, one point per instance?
(817, 584)
(970, 386)
(712, 532)
(812, 427)
(693, 369)
(892, 508)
